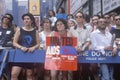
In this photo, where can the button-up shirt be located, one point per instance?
(82, 35)
(99, 40)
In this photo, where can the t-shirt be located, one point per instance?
(116, 32)
(63, 16)
(6, 35)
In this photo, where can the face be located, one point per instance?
(70, 23)
(79, 18)
(117, 20)
(50, 13)
(6, 19)
(27, 21)
(102, 24)
(60, 10)
(60, 26)
(95, 20)
(107, 18)
(46, 24)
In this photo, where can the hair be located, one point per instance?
(70, 15)
(97, 16)
(87, 18)
(52, 12)
(63, 11)
(112, 14)
(31, 17)
(115, 16)
(45, 20)
(73, 20)
(63, 21)
(11, 17)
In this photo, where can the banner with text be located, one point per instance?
(93, 56)
(61, 54)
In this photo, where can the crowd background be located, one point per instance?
(93, 33)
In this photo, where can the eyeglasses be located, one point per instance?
(106, 17)
(117, 19)
(79, 17)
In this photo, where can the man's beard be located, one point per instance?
(103, 28)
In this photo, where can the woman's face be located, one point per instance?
(27, 21)
(46, 24)
(59, 10)
(70, 23)
(51, 13)
(60, 26)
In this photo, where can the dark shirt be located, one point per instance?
(27, 38)
(6, 35)
(116, 32)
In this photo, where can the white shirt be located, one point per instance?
(53, 20)
(89, 27)
(99, 40)
(82, 35)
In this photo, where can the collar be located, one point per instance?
(99, 32)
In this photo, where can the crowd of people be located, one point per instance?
(96, 33)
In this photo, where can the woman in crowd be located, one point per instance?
(27, 40)
(46, 24)
(61, 13)
(11, 21)
(71, 23)
(60, 31)
(52, 18)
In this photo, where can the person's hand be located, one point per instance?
(114, 52)
(31, 49)
(24, 49)
(78, 49)
(108, 48)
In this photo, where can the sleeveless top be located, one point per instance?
(27, 38)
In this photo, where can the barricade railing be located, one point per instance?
(90, 56)
(38, 56)
(4, 54)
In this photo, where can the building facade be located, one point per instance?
(91, 7)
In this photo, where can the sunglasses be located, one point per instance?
(6, 17)
(117, 19)
(79, 17)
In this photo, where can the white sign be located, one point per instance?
(109, 5)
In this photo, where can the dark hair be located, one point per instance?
(52, 12)
(115, 16)
(97, 16)
(112, 14)
(87, 18)
(63, 21)
(81, 13)
(63, 10)
(31, 17)
(70, 15)
(11, 17)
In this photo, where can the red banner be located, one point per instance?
(61, 57)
